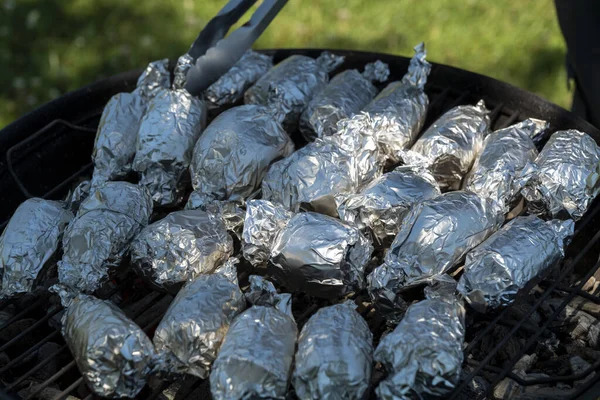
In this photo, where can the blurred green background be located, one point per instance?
(49, 47)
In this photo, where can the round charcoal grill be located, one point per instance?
(47, 152)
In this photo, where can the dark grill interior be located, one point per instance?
(47, 153)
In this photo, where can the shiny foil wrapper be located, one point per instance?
(29, 240)
(184, 63)
(113, 354)
(335, 355)
(234, 152)
(504, 155)
(453, 142)
(290, 85)
(423, 356)
(564, 179)
(154, 79)
(502, 265)
(229, 212)
(166, 138)
(190, 334)
(181, 247)
(381, 205)
(346, 94)
(230, 88)
(255, 359)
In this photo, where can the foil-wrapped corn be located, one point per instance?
(565, 177)
(504, 154)
(255, 359)
(345, 95)
(503, 264)
(453, 142)
(190, 334)
(154, 79)
(28, 242)
(113, 354)
(180, 247)
(335, 355)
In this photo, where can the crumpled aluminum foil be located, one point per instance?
(230, 88)
(234, 152)
(184, 63)
(435, 235)
(423, 356)
(180, 247)
(97, 238)
(565, 178)
(504, 155)
(345, 95)
(168, 131)
(381, 205)
(230, 212)
(289, 86)
(113, 354)
(335, 355)
(453, 142)
(255, 359)
(190, 334)
(155, 77)
(511, 257)
(29, 241)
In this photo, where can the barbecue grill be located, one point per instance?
(47, 152)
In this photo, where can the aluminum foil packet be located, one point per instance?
(434, 236)
(230, 88)
(291, 84)
(154, 79)
(29, 240)
(255, 359)
(565, 178)
(99, 235)
(423, 356)
(453, 142)
(335, 355)
(504, 154)
(184, 63)
(113, 354)
(345, 95)
(166, 138)
(180, 247)
(502, 265)
(190, 334)
(234, 152)
(230, 212)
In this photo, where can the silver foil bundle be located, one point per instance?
(97, 238)
(170, 127)
(230, 212)
(381, 205)
(504, 154)
(335, 355)
(190, 334)
(435, 235)
(184, 63)
(345, 95)
(113, 354)
(154, 79)
(453, 142)
(234, 152)
(565, 177)
(502, 265)
(180, 247)
(289, 86)
(424, 354)
(230, 88)
(29, 241)
(255, 359)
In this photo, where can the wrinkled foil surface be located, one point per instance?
(113, 354)
(180, 247)
(335, 355)
(453, 142)
(565, 177)
(234, 152)
(504, 155)
(155, 77)
(29, 241)
(230, 212)
(184, 63)
(190, 334)
(511, 257)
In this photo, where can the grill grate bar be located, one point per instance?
(62, 395)
(28, 352)
(35, 369)
(31, 328)
(50, 380)
(33, 306)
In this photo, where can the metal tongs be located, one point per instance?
(213, 56)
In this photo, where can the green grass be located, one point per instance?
(49, 47)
